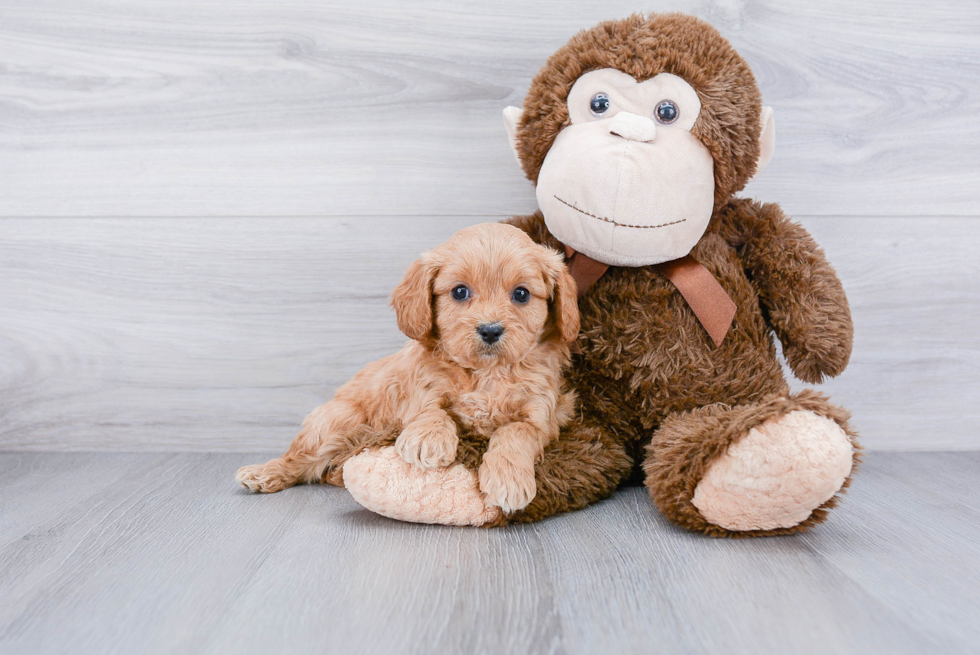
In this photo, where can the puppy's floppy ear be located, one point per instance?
(412, 299)
(564, 296)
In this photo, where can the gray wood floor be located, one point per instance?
(153, 553)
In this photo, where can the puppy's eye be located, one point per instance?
(599, 104)
(521, 295)
(667, 112)
(460, 293)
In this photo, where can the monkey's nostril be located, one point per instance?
(490, 332)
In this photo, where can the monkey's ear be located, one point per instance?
(512, 116)
(767, 140)
(412, 299)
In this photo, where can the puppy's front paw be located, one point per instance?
(261, 478)
(428, 445)
(507, 485)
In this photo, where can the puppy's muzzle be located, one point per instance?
(490, 332)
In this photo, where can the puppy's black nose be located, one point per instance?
(490, 332)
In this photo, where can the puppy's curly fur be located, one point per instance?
(449, 377)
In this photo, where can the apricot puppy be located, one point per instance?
(490, 315)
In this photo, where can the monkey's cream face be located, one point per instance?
(627, 183)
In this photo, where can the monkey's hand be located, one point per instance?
(805, 302)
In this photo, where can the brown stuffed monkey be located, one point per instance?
(637, 134)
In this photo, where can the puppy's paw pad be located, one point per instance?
(506, 485)
(257, 478)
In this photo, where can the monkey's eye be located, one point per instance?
(521, 295)
(460, 293)
(667, 112)
(599, 104)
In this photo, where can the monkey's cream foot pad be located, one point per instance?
(777, 474)
(381, 481)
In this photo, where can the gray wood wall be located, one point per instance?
(203, 206)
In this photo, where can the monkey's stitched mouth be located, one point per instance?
(609, 220)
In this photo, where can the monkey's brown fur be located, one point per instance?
(654, 392)
(648, 377)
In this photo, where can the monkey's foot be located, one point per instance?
(383, 482)
(777, 474)
(774, 467)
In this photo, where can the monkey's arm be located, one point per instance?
(798, 288)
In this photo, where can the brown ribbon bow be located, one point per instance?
(706, 298)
